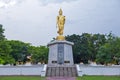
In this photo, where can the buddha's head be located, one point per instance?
(60, 11)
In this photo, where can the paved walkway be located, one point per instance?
(61, 78)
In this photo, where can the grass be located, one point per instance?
(21, 78)
(43, 78)
(99, 78)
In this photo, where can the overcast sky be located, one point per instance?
(34, 21)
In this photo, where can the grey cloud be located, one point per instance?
(45, 2)
(27, 22)
(8, 3)
(42, 2)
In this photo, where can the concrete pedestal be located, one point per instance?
(60, 53)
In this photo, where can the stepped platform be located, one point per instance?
(61, 71)
(61, 78)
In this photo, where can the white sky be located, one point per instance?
(34, 21)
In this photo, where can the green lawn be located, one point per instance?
(41, 78)
(21, 78)
(99, 78)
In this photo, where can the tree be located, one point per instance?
(39, 54)
(76, 48)
(104, 56)
(86, 46)
(19, 50)
(110, 51)
(81, 48)
(5, 50)
(2, 37)
(97, 41)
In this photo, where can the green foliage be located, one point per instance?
(5, 50)
(19, 50)
(109, 52)
(76, 48)
(101, 48)
(86, 46)
(12, 51)
(97, 41)
(2, 37)
(39, 54)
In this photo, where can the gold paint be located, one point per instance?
(60, 25)
(60, 37)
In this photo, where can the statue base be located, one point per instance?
(60, 53)
(60, 37)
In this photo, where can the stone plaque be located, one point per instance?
(60, 53)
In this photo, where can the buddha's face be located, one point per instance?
(60, 12)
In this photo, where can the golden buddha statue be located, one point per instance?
(60, 25)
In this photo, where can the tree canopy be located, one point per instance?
(99, 48)
(2, 37)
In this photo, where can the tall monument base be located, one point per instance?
(60, 53)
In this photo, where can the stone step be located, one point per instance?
(60, 78)
(61, 72)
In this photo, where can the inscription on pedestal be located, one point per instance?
(60, 53)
